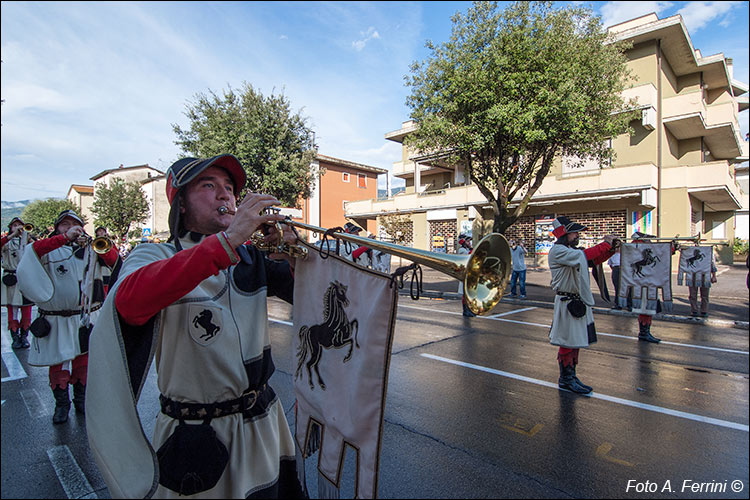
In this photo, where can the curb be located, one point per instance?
(674, 318)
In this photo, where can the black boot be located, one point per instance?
(644, 333)
(568, 381)
(587, 387)
(17, 344)
(79, 397)
(62, 405)
(22, 336)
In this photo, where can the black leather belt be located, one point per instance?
(202, 411)
(8, 271)
(66, 313)
(569, 295)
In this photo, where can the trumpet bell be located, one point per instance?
(101, 245)
(28, 227)
(487, 273)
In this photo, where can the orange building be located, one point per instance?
(342, 182)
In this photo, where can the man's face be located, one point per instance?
(573, 239)
(213, 188)
(66, 224)
(101, 232)
(15, 225)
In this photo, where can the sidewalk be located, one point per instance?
(729, 304)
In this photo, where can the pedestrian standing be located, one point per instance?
(614, 265)
(518, 254)
(464, 248)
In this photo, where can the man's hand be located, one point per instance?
(74, 233)
(290, 238)
(15, 233)
(610, 238)
(250, 216)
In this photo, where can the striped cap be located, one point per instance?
(186, 169)
(562, 226)
(67, 214)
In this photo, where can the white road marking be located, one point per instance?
(35, 404)
(595, 395)
(71, 477)
(722, 349)
(510, 312)
(15, 369)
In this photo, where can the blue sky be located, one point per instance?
(92, 85)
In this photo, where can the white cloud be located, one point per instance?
(617, 12)
(697, 15)
(283, 37)
(368, 35)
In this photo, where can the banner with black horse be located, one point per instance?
(344, 317)
(645, 268)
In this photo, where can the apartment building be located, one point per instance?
(342, 183)
(674, 176)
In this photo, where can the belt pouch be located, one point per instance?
(40, 327)
(192, 459)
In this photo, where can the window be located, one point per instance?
(343, 205)
(572, 165)
(345, 176)
(361, 181)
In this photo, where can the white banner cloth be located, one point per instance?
(645, 266)
(695, 266)
(344, 318)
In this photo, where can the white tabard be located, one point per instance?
(569, 269)
(211, 345)
(12, 253)
(61, 269)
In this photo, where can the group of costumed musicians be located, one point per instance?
(573, 323)
(63, 275)
(196, 306)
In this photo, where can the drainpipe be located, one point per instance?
(659, 133)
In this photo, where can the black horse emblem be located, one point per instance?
(649, 259)
(204, 321)
(61, 270)
(335, 331)
(14, 254)
(697, 255)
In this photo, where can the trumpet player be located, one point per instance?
(13, 246)
(51, 274)
(198, 302)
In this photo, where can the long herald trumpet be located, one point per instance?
(695, 239)
(485, 272)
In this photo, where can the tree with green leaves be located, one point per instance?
(274, 145)
(512, 91)
(119, 205)
(42, 213)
